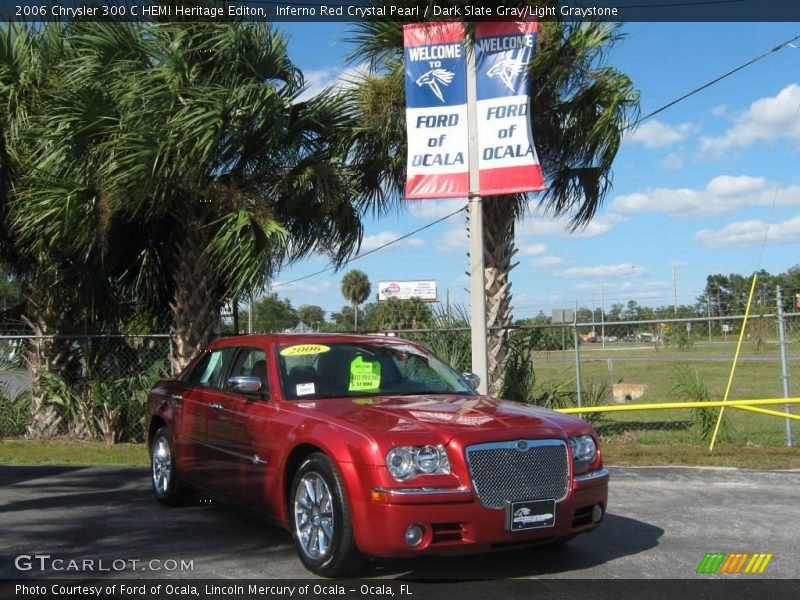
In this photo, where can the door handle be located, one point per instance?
(216, 406)
(177, 397)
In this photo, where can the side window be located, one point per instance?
(251, 362)
(208, 370)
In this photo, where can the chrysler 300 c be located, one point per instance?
(370, 446)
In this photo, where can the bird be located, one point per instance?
(433, 78)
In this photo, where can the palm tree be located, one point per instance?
(181, 155)
(356, 289)
(159, 169)
(580, 109)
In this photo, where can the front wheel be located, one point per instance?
(321, 523)
(167, 485)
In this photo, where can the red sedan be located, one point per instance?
(370, 446)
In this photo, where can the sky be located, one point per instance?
(710, 185)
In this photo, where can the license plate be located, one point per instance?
(530, 514)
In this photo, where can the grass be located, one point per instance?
(618, 451)
(751, 380)
(64, 452)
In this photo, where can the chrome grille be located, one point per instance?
(503, 471)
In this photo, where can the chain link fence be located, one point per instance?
(666, 360)
(83, 388)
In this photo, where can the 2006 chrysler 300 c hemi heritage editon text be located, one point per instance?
(370, 446)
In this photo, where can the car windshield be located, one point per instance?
(336, 370)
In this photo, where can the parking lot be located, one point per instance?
(661, 522)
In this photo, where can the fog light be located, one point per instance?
(414, 535)
(597, 513)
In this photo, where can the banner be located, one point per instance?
(507, 156)
(436, 111)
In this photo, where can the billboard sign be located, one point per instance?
(425, 290)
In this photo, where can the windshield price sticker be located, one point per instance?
(304, 349)
(364, 376)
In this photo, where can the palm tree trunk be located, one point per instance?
(57, 355)
(194, 309)
(499, 215)
(355, 317)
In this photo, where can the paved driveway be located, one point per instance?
(661, 523)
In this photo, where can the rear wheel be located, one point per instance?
(321, 523)
(167, 485)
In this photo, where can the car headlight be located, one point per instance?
(406, 462)
(584, 450)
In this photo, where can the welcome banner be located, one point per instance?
(436, 111)
(507, 156)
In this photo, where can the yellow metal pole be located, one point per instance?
(679, 405)
(766, 411)
(735, 360)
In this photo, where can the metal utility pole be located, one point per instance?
(250, 311)
(784, 364)
(477, 282)
(674, 292)
(602, 313)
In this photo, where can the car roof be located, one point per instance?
(300, 338)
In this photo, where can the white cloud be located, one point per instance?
(300, 287)
(603, 271)
(455, 239)
(371, 242)
(532, 249)
(542, 225)
(339, 77)
(672, 161)
(547, 262)
(435, 209)
(751, 232)
(623, 291)
(766, 120)
(721, 195)
(655, 134)
(719, 111)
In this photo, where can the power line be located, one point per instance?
(373, 251)
(716, 80)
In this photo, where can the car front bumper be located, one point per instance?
(454, 522)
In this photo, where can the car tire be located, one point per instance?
(168, 488)
(320, 519)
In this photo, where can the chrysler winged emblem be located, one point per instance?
(508, 70)
(434, 78)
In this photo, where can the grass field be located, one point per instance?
(659, 370)
(23, 452)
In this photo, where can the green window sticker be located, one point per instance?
(364, 376)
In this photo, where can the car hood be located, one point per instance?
(449, 415)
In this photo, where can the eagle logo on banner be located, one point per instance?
(508, 70)
(433, 78)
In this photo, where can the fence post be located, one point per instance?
(784, 363)
(577, 357)
(170, 356)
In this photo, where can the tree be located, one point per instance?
(311, 314)
(580, 109)
(356, 289)
(181, 154)
(272, 314)
(394, 313)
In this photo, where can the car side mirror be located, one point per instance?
(473, 380)
(244, 384)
